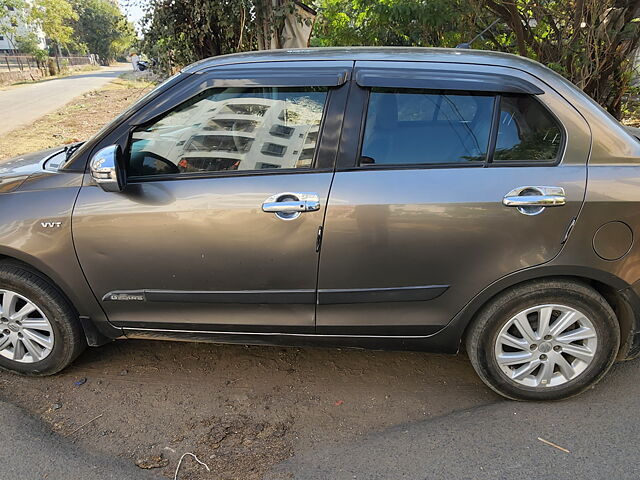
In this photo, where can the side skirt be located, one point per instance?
(444, 341)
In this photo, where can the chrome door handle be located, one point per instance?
(533, 200)
(289, 205)
(286, 207)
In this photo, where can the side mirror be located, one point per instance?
(107, 169)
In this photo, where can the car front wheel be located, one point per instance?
(544, 340)
(40, 332)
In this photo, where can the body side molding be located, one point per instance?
(380, 295)
(302, 296)
(230, 296)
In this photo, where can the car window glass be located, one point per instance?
(409, 126)
(232, 129)
(527, 131)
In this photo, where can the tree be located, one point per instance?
(392, 22)
(102, 29)
(30, 44)
(282, 23)
(179, 32)
(11, 13)
(591, 42)
(53, 16)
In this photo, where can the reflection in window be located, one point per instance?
(218, 143)
(231, 125)
(281, 131)
(273, 149)
(245, 109)
(527, 131)
(232, 129)
(263, 165)
(200, 164)
(411, 126)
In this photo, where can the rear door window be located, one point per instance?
(527, 131)
(412, 127)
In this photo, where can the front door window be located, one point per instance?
(232, 129)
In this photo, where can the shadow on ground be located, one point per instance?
(240, 409)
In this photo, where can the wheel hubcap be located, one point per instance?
(26, 335)
(546, 346)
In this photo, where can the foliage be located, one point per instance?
(631, 109)
(179, 32)
(10, 14)
(53, 17)
(30, 44)
(591, 42)
(102, 29)
(392, 22)
(5, 5)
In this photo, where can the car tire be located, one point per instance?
(47, 339)
(549, 370)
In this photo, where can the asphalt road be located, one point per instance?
(600, 429)
(21, 105)
(31, 451)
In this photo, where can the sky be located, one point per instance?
(133, 12)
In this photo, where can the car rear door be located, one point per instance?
(441, 178)
(228, 179)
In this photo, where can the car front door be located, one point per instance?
(228, 179)
(442, 178)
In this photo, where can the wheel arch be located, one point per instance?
(8, 255)
(618, 293)
(96, 328)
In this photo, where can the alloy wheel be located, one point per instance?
(546, 346)
(26, 335)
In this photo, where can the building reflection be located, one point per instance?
(243, 133)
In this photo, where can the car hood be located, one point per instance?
(14, 171)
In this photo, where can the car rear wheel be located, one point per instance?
(544, 340)
(40, 332)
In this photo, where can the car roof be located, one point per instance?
(408, 54)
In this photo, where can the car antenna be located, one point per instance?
(467, 45)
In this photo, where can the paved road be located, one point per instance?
(30, 451)
(22, 105)
(600, 428)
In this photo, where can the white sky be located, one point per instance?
(133, 12)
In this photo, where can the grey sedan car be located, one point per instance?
(415, 199)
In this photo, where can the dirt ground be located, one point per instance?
(239, 409)
(78, 120)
